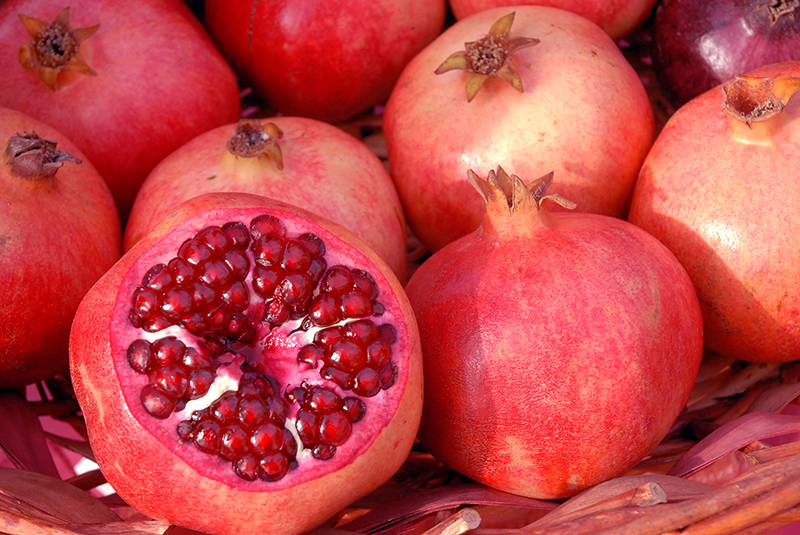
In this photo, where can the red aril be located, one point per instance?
(326, 60)
(560, 96)
(303, 162)
(127, 81)
(721, 191)
(558, 348)
(249, 359)
(617, 17)
(59, 232)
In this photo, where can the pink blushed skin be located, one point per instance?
(584, 114)
(558, 350)
(728, 210)
(618, 18)
(149, 472)
(329, 60)
(160, 82)
(325, 171)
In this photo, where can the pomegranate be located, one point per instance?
(555, 94)
(558, 348)
(720, 190)
(59, 232)
(325, 60)
(248, 358)
(127, 82)
(617, 17)
(300, 161)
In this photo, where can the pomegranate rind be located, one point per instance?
(561, 357)
(149, 475)
(59, 235)
(723, 198)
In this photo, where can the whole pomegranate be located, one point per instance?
(721, 191)
(543, 90)
(127, 81)
(59, 232)
(247, 367)
(558, 348)
(617, 17)
(303, 162)
(327, 60)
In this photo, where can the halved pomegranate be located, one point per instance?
(247, 367)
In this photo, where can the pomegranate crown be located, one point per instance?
(252, 139)
(489, 56)
(33, 157)
(510, 191)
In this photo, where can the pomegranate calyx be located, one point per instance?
(489, 56)
(33, 157)
(54, 47)
(779, 8)
(252, 139)
(751, 99)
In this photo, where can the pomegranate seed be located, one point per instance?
(355, 305)
(253, 383)
(156, 403)
(265, 280)
(267, 224)
(323, 310)
(155, 324)
(157, 278)
(177, 302)
(268, 250)
(337, 281)
(199, 383)
(388, 333)
(185, 430)
(168, 350)
(322, 401)
(266, 439)
(361, 331)
(195, 360)
(224, 408)
(140, 357)
(327, 337)
(207, 435)
(323, 452)
(306, 426)
(276, 312)
(316, 269)
(247, 467)
(195, 252)
(277, 410)
(378, 353)
(366, 383)
(295, 257)
(238, 234)
(216, 273)
(313, 244)
(215, 238)
(145, 303)
(365, 284)
(347, 356)
(341, 378)
(334, 429)
(182, 271)
(170, 379)
(354, 409)
(311, 355)
(194, 323)
(290, 448)
(238, 262)
(203, 295)
(233, 442)
(295, 288)
(236, 296)
(388, 375)
(252, 411)
(273, 467)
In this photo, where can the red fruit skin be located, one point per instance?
(617, 17)
(57, 237)
(326, 60)
(583, 114)
(553, 361)
(325, 171)
(152, 478)
(728, 210)
(160, 82)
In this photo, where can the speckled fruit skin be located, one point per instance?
(160, 82)
(325, 171)
(617, 17)
(728, 210)
(152, 478)
(326, 60)
(556, 354)
(57, 237)
(584, 114)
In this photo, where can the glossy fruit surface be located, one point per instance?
(558, 347)
(304, 162)
(131, 82)
(327, 60)
(575, 107)
(251, 359)
(722, 193)
(59, 232)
